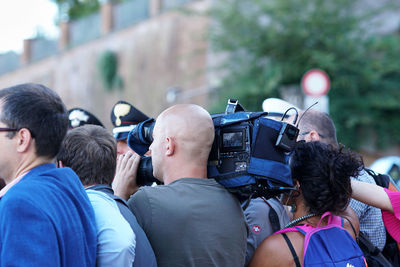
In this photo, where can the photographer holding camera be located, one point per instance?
(190, 220)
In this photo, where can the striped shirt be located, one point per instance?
(371, 222)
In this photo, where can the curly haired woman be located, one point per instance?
(321, 174)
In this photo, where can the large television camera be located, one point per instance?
(249, 155)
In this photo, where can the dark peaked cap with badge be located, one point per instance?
(124, 117)
(78, 117)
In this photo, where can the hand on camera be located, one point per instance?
(124, 184)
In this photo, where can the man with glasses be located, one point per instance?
(46, 218)
(318, 126)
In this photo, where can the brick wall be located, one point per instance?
(167, 50)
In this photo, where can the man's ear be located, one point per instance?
(314, 136)
(169, 146)
(60, 164)
(24, 140)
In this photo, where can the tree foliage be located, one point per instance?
(108, 69)
(271, 44)
(76, 9)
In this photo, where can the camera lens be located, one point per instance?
(145, 172)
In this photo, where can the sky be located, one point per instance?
(21, 19)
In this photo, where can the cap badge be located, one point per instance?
(121, 110)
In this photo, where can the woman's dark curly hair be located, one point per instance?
(324, 175)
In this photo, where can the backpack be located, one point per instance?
(372, 254)
(328, 245)
(391, 250)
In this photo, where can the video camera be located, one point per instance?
(249, 155)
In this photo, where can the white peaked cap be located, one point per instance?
(277, 106)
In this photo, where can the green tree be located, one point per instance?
(76, 9)
(271, 44)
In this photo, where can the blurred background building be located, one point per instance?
(150, 53)
(156, 53)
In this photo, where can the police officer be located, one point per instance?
(125, 117)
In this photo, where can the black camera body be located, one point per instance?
(249, 155)
(231, 148)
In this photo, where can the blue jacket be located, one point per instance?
(46, 219)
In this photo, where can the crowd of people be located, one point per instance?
(71, 196)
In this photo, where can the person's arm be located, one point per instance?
(124, 184)
(371, 194)
(28, 237)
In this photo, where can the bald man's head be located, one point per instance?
(185, 132)
(190, 125)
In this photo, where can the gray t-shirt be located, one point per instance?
(257, 216)
(192, 222)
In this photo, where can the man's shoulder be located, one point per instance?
(364, 176)
(20, 200)
(44, 187)
(198, 183)
(48, 182)
(49, 174)
(181, 188)
(179, 183)
(257, 205)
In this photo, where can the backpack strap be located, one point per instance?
(354, 229)
(330, 219)
(294, 254)
(289, 229)
(372, 254)
(382, 180)
(273, 217)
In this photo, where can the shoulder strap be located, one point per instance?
(294, 254)
(354, 230)
(352, 227)
(336, 220)
(289, 229)
(330, 219)
(380, 179)
(273, 217)
(370, 250)
(105, 189)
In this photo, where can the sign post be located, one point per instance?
(316, 84)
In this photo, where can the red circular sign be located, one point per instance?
(315, 83)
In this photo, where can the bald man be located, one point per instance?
(190, 220)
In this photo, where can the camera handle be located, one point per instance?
(233, 106)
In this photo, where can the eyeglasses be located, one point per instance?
(8, 129)
(305, 133)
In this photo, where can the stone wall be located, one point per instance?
(167, 50)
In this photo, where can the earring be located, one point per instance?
(293, 207)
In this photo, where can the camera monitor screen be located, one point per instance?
(232, 141)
